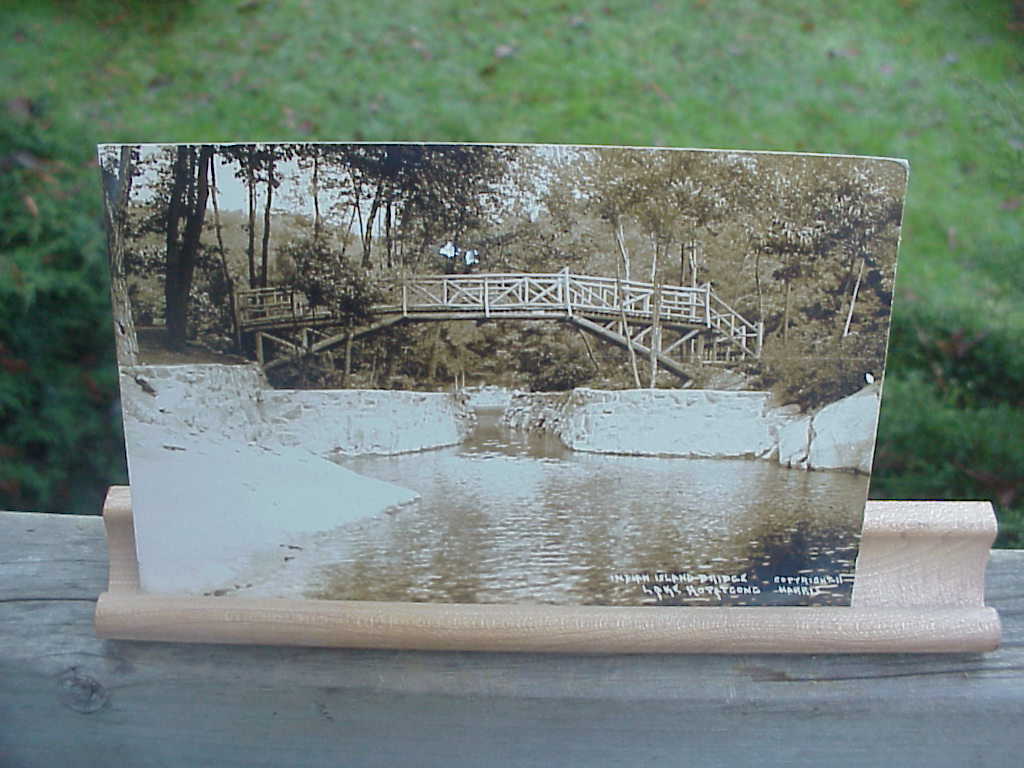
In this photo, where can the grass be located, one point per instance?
(938, 83)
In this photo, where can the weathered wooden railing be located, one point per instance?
(495, 294)
(261, 306)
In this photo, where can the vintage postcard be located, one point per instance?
(561, 375)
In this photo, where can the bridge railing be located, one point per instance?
(259, 306)
(729, 322)
(498, 293)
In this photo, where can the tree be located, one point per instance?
(117, 185)
(327, 280)
(186, 211)
(795, 245)
(424, 194)
(249, 160)
(271, 183)
(859, 218)
(229, 282)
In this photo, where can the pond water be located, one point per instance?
(508, 517)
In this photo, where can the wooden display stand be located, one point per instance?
(919, 587)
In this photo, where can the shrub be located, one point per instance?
(931, 447)
(61, 442)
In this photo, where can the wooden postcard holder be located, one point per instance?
(919, 587)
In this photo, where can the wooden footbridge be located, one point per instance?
(670, 323)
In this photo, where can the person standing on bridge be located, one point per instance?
(458, 261)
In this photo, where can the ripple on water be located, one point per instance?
(506, 517)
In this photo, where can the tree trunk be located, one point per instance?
(368, 231)
(435, 354)
(265, 252)
(188, 200)
(590, 352)
(655, 333)
(654, 260)
(348, 354)
(387, 233)
(624, 326)
(316, 197)
(620, 240)
(853, 300)
(389, 366)
(757, 285)
(174, 321)
(228, 281)
(117, 192)
(785, 316)
(347, 234)
(250, 177)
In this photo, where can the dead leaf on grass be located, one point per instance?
(421, 48)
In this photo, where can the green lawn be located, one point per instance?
(939, 83)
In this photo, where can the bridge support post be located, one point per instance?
(655, 333)
(259, 348)
(760, 337)
(236, 315)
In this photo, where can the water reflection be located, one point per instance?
(506, 517)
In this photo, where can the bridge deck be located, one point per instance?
(521, 296)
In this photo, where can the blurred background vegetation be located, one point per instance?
(939, 83)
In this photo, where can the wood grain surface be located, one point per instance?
(920, 587)
(68, 698)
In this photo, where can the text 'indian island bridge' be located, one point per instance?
(670, 323)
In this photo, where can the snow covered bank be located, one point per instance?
(706, 424)
(236, 402)
(209, 513)
(227, 473)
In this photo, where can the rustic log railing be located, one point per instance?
(527, 296)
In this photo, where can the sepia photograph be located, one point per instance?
(529, 374)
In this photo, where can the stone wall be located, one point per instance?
(705, 423)
(488, 397)
(839, 436)
(222, 400)
(539, 411)
(236, 402)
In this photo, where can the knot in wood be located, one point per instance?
(81, 693)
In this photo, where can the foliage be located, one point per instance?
(559, 372)
(952, 426)
(554, 363)
(60, 440)
(327, 280)
(931, 451)
(209, 304)
(811, 382)
(939, 84)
